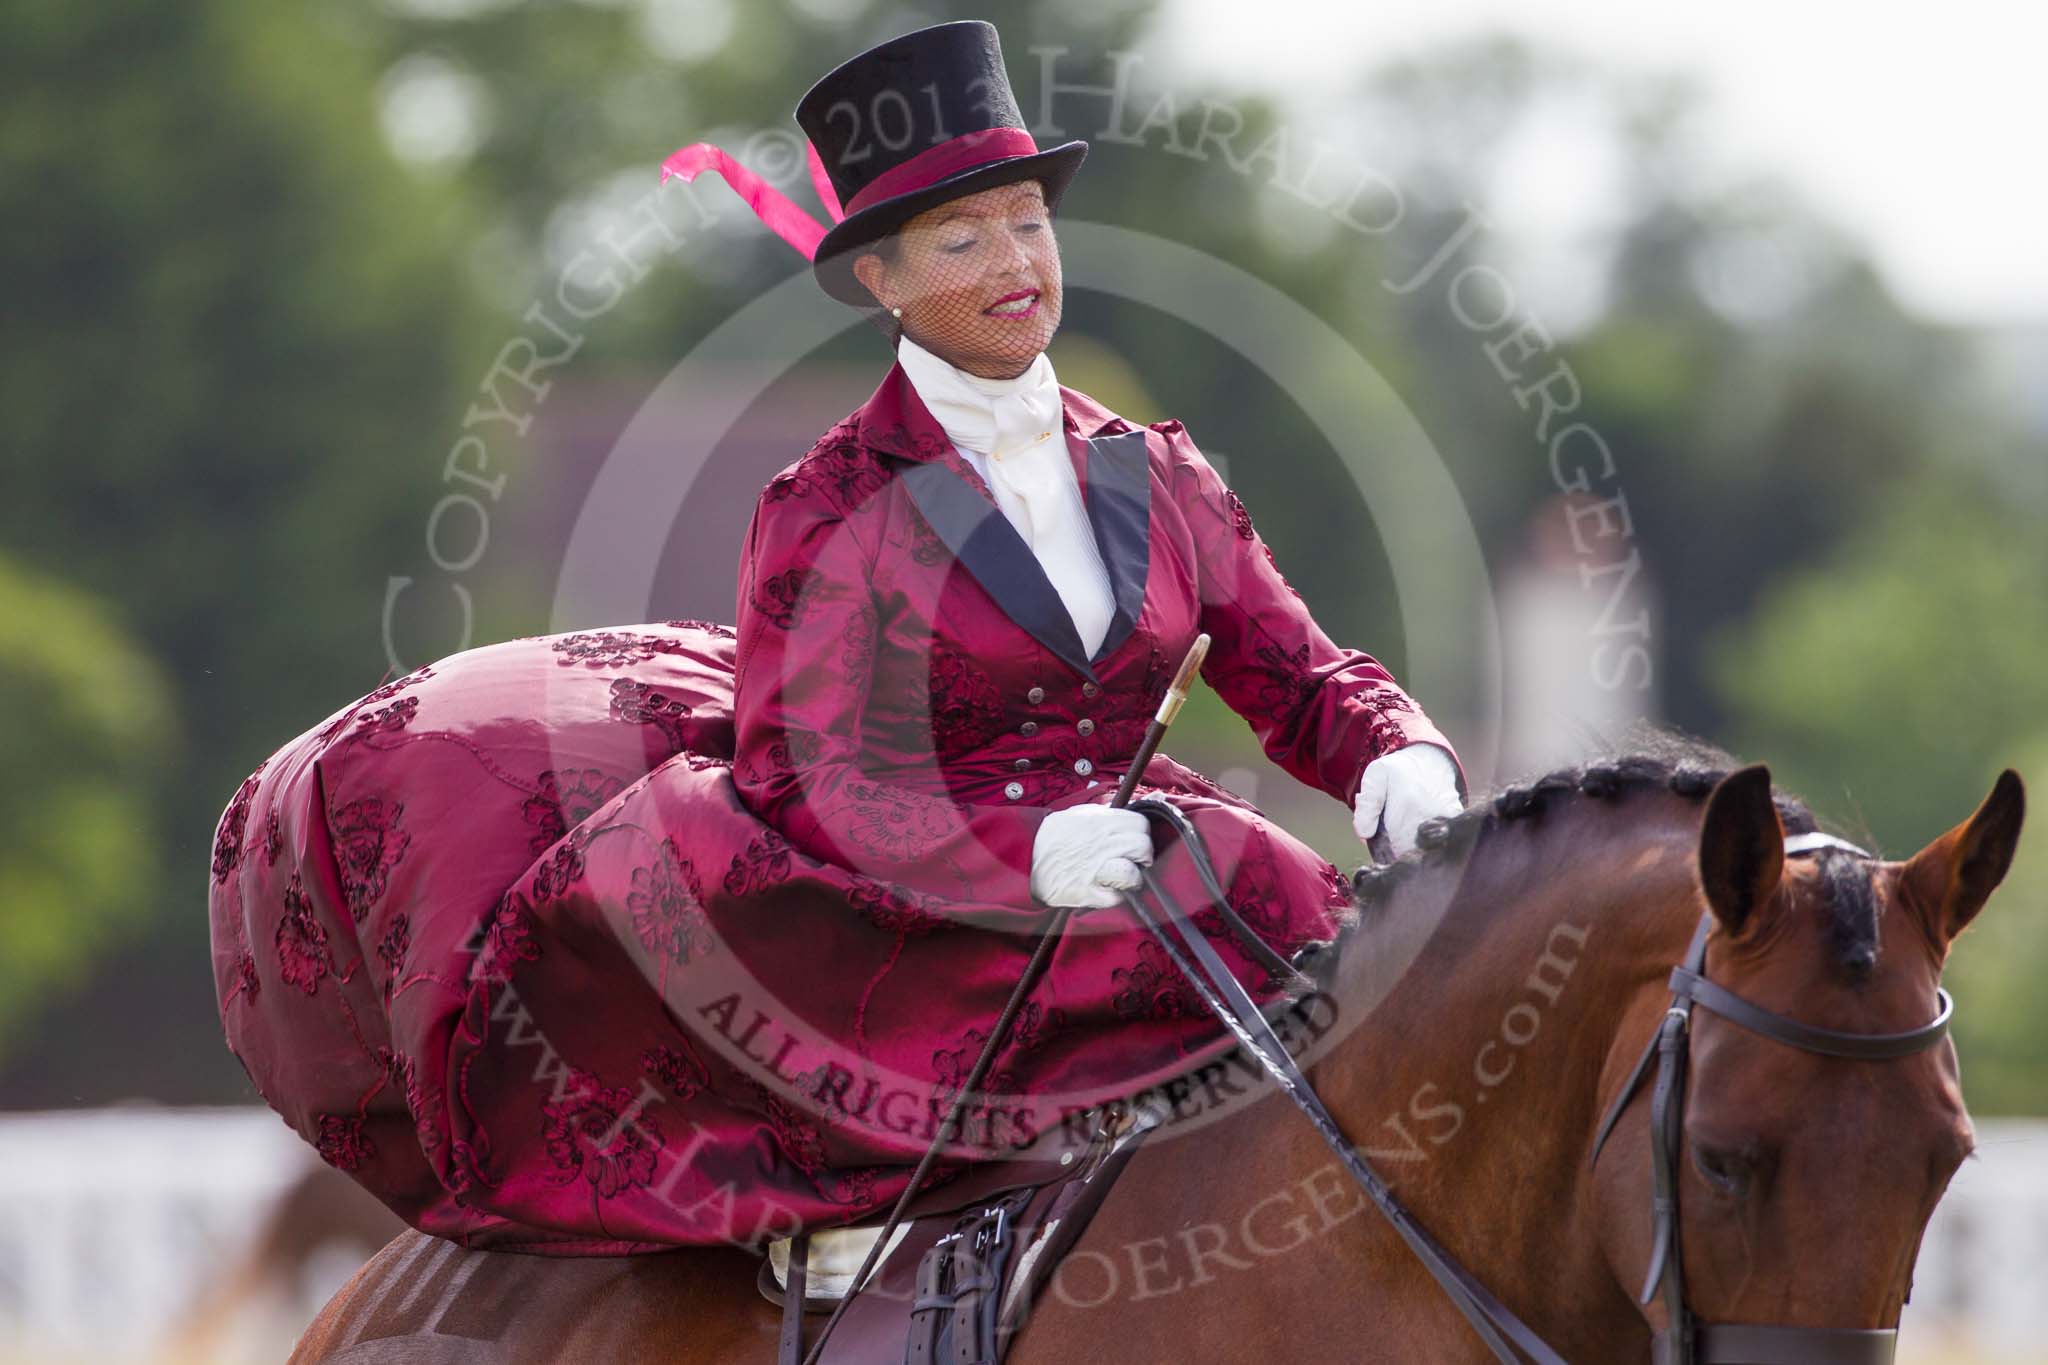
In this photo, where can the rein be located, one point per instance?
(1685, 1340)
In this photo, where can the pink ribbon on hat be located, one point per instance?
(777, 210)
(793, 225)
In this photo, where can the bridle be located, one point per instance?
(1685, 1340)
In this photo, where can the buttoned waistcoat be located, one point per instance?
(911, 697)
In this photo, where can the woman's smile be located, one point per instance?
(974, 280)
(1021, 304)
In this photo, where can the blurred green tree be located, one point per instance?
(1736, 350)
(230, 370)
(81, 861)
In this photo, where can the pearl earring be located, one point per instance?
(895, 312)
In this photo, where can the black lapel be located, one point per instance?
(981, 538)
(1119, 503)
(1120, 509)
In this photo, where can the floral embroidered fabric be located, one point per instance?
(682, 933)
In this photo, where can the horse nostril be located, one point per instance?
(1727, 1170)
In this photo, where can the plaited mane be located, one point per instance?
(1655, 758)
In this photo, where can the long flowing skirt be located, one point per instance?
(501, 941)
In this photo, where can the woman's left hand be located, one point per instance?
(1414, 783)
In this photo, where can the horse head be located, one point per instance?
(1803, 1151)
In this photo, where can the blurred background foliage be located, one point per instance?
(259, 257)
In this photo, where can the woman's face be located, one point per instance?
(977, 278)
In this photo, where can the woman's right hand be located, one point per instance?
(1084, 857)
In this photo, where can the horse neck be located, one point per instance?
(1254, 1209)
(1488, 1008)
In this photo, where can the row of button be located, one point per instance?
(1037, 694)
(1081, 765)
(1015, 790)
(1030, 727)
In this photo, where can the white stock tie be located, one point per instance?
(1012, 432)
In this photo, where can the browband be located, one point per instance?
(1816, 839)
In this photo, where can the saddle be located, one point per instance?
(969, 1259)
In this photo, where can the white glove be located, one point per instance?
(1406, 787)
(1084, 855)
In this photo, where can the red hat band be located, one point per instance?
(943, 159)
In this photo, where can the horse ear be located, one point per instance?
(1742, 847)
(1946, 883)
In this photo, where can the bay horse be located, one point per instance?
(1501, 983)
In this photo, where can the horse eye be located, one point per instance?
(1728, 1170)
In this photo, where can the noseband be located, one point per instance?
(1686, 1340)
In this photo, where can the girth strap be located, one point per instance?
(960, 1287)
(789, 1349)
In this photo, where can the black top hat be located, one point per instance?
(916, 121)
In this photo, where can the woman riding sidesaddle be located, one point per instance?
(605, 942)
